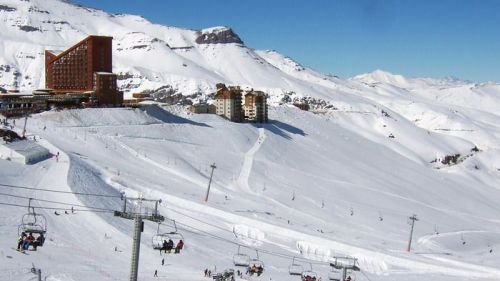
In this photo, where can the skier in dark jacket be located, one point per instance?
(20, 240)
(170, 246)
(38, 241)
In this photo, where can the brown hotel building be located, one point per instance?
(84, 67)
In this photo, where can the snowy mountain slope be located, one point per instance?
(147, 55)
(329, 168)
(369, 157)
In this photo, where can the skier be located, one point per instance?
(169, 246)
(156, 273)
(20, 240)
(30, 239)
(38, 241)
(179, 246)
(164, 246)
(25, 245)
(163, 262)
(206, 272)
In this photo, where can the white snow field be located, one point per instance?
(331, 163)
(342, 180)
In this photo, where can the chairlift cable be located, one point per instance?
(56, 208)
(58, 191)
(54, 202)
(271, 253)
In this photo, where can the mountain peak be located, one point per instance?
(381, 76)
(218, 35)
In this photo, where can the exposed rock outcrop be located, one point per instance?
(219, 35)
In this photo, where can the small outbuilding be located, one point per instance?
(23, 151)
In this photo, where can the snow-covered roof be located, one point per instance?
(26, 148)
(55, 52)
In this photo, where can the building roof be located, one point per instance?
(55, 52)
(61, 54)
(27, 148)
(104, 73)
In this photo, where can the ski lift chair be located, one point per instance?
(309, 275)
(257, 263)
(32, 222)
(345, 262)
(158, 238)
(295, 268)
(334, 275)
(240, 259)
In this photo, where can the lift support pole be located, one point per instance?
(210, 181)
(138, 218)
(136, 248)
(413, 219)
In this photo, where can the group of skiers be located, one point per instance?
(310, 278)
(24, 241)
(255, 269)
(208, 272)
(169, 245)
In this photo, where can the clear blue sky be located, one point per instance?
(433, 38)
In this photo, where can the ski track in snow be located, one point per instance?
(246, 169)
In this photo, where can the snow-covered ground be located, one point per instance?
(340, 181)
(286, 188)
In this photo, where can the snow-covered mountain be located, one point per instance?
(341, 180)
(147, 55)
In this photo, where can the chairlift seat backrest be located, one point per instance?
(334, 275)
(309, 273)
(257, 263)
(295, 269)
(241, 260)
(34, 223)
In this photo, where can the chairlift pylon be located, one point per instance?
(32, 222)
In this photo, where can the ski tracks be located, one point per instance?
(246, 169)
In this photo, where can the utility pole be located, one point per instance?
(210, 181)
(413, 219)
(138, 218)
(23, 134)
(37, 272)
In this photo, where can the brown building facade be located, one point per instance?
(228, 102)
(86, 66)
(255, 106)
